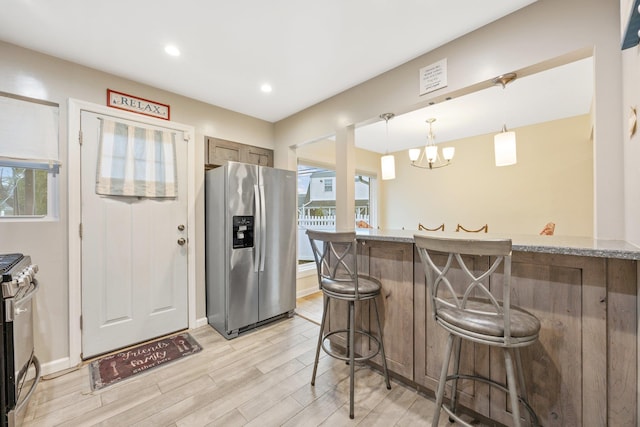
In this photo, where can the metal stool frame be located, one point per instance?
(338, 278)
(477, 299)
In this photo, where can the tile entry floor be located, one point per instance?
(259, 379)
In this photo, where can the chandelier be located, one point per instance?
(429, 158)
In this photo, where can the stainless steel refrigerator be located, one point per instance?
(250, 246)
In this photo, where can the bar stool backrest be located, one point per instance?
(335, 256)
(484, 228)
(423, 228)
(443, 275)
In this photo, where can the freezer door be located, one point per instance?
(278, 244)
(242, 286)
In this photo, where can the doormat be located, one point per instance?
(127, 363)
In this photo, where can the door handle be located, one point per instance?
(181, 227)
(258, 228)
(181, 241)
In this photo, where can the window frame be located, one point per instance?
(53, 185)
(24, 148)
(308, 269)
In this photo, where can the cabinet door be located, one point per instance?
(220, 151)
(257, 156)
(392, 264)
(566, 368)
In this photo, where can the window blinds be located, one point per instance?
(28, 132)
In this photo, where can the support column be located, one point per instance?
(345, 178)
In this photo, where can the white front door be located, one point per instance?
(134, 256)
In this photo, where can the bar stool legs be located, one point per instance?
(443, 380)
(350, 357)
(511, 385)
(384, 357)
(454, 344)
(324, 317)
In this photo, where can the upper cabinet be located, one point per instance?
(219, 151)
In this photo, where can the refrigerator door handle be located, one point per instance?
(263, 228)
(258, 224)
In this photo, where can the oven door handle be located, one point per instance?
(11, 313)
(36, 365)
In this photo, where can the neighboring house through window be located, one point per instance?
(328, 185)
(317, 203)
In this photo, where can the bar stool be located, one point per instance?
(336, 261)
(424, 228)
(475, 314)
(484, 228)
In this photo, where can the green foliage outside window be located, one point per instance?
(23, 191)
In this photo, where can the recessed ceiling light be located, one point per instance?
(266, 88)
(172, 50)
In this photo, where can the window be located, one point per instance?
(28, 158)
(317, 204)
(23, 192)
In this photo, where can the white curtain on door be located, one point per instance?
(136, 161)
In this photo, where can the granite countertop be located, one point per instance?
(564, 245)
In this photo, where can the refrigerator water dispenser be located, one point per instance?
(242, 232)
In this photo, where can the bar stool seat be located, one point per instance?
(336, 262)
(367, 288)
(462, 298)
(476, 319)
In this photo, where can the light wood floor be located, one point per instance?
(310, 307)
(259, 379)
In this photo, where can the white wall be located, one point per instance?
(551, 182)
(545, 33)
(28, 73)
(631, 144)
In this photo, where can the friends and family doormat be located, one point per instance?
(127, 363)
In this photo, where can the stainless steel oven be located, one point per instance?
(19, 286)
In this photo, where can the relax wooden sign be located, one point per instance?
(127, 102)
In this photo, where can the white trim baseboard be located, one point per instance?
(56, 366)
(307, 291)
(201, 322)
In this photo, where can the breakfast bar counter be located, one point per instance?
(584, 368)
(579, 246)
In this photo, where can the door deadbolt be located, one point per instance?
(181, 241)
(181, 227)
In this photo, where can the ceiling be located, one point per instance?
(557, 93)
(307, 51)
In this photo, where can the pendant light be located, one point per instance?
(504, 143)
(388, 162)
